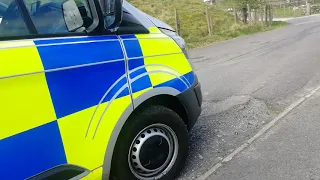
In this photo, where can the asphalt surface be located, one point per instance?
(246, 83)
(290, 150)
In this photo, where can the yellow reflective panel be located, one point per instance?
(19, 60)
(164, 52)
(154, 30)
(137, 94)
(25, 100)
(25, 103)
(174, 64)
(147, 36)
(89, 151)
(157, 78)
(157, 46)
(94, 175)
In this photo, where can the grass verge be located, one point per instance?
(234, 31)
(192, 15)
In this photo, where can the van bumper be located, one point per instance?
(192, 101)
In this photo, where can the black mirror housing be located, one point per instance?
(113, 14)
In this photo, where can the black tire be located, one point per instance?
(120, 169)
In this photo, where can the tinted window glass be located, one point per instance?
(59, 16)
(3, 8)
(11, 21)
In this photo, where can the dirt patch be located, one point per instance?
(222, 127)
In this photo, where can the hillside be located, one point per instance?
(193, 20)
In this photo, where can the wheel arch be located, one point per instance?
(164, 96)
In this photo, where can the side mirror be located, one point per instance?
(112, 10)
(0, 19)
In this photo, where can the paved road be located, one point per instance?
(246, 83)
(290, 150)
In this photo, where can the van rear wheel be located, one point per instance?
(153, 144)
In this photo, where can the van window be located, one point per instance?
(59, 16)
(11, 21)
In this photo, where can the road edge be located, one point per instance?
(263, 130)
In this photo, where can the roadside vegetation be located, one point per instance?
(234, 31)
(193, 20)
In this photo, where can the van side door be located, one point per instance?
(29, 135)
(61, 92)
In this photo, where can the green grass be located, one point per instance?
(234, 31)
(194, 27)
